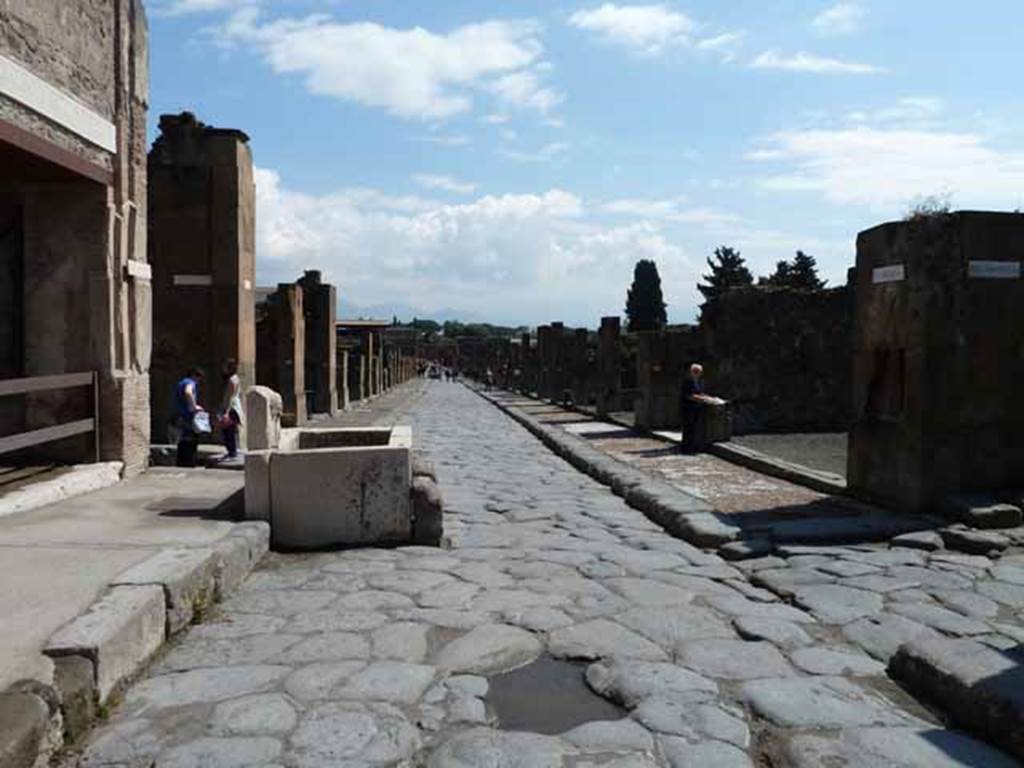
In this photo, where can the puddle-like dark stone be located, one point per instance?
(548, 696)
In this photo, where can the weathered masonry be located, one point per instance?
(75, 294)
(202, 213)
(937, 358)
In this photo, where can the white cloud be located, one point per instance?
(809, 62)
(413, 73)
(645, 29)
(841, 19)
(494, 119)
(444, 183)
(886, 168)
(725, 45)
(651, 209)
(515, 257)
(912, 110)
(445, 141)
(183, 7)
(545, 154)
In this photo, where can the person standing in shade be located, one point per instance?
(693, 402)
(231, 407)
(186, 406)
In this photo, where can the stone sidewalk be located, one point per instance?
(56, 560)
(390, 657)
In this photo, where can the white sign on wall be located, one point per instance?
(999, 270)
(891, 274)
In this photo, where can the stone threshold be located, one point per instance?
(97, 654)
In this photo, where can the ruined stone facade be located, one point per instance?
(281, 350)
(202, 213)
(937, 358)
(781, 358)
(320, 307)
(74, 278)
(663, 360)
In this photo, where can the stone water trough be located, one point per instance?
(336, 487)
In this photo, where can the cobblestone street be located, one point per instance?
(383, 657)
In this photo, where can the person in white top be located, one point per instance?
(231, 407)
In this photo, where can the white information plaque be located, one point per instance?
(998, 270)
(193, 279)
(891, 274)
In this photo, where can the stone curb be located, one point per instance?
(680, 514)
(79, 479)
(824, 482)
(96, 654)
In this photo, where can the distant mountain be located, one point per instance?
(404, 312)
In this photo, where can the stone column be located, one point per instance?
(663, 359)
(320, 302)
(281, 342)
(342, 378)
(202, 248)
(937, 363)
(609, 362)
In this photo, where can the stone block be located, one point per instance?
(981, 512)
(422, 467)
(257, 485)
(187, 577)
(233, 564)
(119, 632)
(24, 721)
(427, 512)
(256, 535)
(363, 497)
(263, 408)
(979, 688)
(73, 678)
(973, 542)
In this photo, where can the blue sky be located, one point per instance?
(510, 161)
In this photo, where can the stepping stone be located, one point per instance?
(820, 702)
(926, 540)
(974, 542)
(979, 688)
(981, 512)
(488, 650)
(892, 747)
(734, 659)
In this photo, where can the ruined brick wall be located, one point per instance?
(782, 357)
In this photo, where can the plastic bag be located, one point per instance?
(201, 423)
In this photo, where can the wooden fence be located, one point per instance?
(59, 431)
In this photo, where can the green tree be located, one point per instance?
(645, 305)
(800, 274)
(728, 271)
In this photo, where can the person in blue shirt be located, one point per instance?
(693, 400)
(186, 405)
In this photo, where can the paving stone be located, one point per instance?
(454, 595)
(848, 568)
(978, 512)
(693, 721)
(784, 634)
(926, 540)
(484, 748)
(251, 649)
(734, 659)
(929, 578)
(130, 742)
(1011, 595)
(942, 619)
(200, 686)
(683, 754)
(1011, 574)
(221, 753)
(238, 625)
(326, 646)
(316, 681)
(825, 660)
(670, 626)
(647, 592)
(630, 682)
(882, 584)
(974, 542)
(785, 581)
(746, 549)
(976, 562)
(373, 600)
(403, 640)
(888, 557)
(602, 639)
(610, 735)
(835, 604)
(819, 702)
(260, 714)
(335, 620)
(740, 606)
(350, 734)
(391, 681)
(280, 602)
(538, 619)
(894, 748)
(698, 585)
(489, 649)
(883, 634)
(467, 709)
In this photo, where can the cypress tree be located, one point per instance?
(645, 305)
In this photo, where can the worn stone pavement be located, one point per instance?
(381, 657)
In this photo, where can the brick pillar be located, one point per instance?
(281, 343)
(609, 362)
(319, 303)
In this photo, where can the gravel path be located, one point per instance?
(382, 657)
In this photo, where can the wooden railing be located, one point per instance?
(58, 432)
